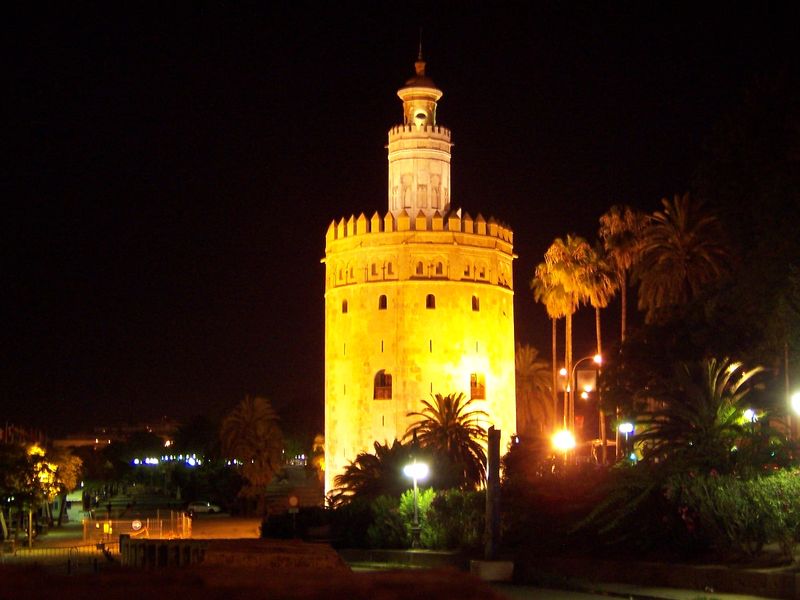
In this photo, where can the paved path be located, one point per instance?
(609, 590)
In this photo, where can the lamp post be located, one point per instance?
(416, 471)
(564, 441)
(598, 359)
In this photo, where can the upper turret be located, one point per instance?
(419, 150)
(419, 96)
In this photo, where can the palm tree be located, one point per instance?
(683, 251)
(567, 264)
(552, 296)
(372, 475)
(701, 416)
(533, 388)
(621, 231)
(601, 287)
(250, 434)
(448, 427)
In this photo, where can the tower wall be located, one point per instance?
(465, 266)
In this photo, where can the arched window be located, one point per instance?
(383, 386)
(420, 269)
(477, 386)
(344, 306)
(476, 304)
(482, 273)
(374, 270)
(389, 269)
(439, 268)
(430, 301)
(382, 302)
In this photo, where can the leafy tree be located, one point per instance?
(250, 434)
(683, 252)
(68, 471)
(371, 475)
(621, 230)
(535, 412)
(447, 427)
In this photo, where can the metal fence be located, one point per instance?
(167, 525)
(72, 559)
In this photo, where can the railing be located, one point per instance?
(174, 524)
(71, 558)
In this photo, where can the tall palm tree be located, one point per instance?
(567, 266)
(250, 433)
(701, 416)
(371, 475)
(601, 287)
(683, 251)
(449, 428)
(552, 296)
(621, 230)
(534, 410)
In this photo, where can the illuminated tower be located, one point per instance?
(418, 300)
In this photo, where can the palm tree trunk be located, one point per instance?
(601, 414)
(623, 288)
(569, 408)
(555, 376)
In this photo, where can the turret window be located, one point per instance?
(420, 269)
(476, 303)
(430, 301)
(374, 270)
(477, 386)
(382, 302)
(383, 386)
(439, 268)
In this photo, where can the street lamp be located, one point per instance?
(598, 360)
(416, 471)
(564, 441)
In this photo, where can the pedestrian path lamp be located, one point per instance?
(416, 471)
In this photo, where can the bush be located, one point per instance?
(740, 515)
(388, 529)
(457, 519)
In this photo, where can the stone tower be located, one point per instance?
(418, 300)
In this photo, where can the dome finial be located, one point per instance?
(419, 66)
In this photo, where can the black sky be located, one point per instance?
(173, 170)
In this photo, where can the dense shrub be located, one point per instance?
(740, 515)
(387, 529)
(456, 520)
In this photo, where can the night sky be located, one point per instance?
(173, 170)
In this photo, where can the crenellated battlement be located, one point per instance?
(415, 129)
(389, 223)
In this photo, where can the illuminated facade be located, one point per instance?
(418, 300)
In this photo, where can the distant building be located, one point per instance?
(418, 300)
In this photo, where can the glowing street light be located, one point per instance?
(416, 471)
(563, 441)
(794, 400)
